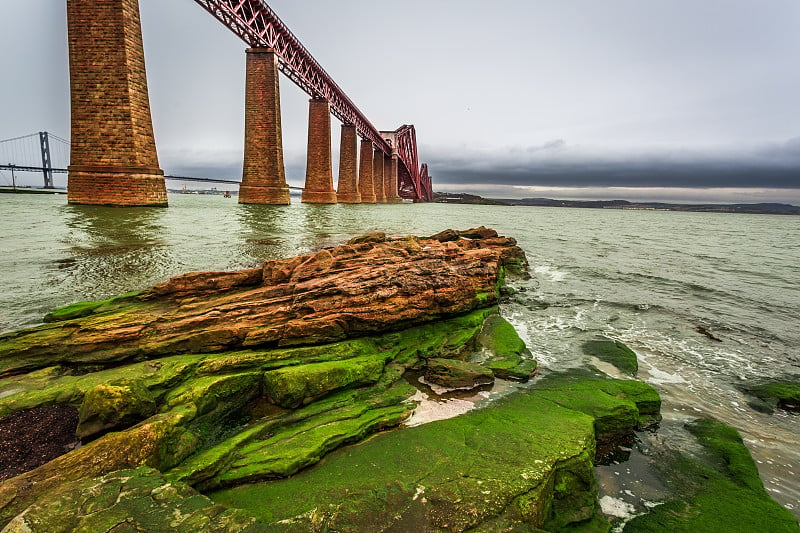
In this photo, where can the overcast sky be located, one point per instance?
(680, 99)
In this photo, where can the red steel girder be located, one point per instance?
(414, 181)
(256, 24)
(408, 181)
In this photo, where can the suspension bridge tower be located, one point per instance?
(113, 158)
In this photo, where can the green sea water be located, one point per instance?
(651, 279)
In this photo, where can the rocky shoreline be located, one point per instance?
(268, 400)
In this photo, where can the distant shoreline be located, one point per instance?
(753, 209)
(31, 190)
(463, 198)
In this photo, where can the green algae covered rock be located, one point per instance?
(129, 500)
(284, 442)
(524, 463)
(617, 406)
(505, 353)
(782, 394)
(614, 352)
(455, 374)
(452, 475)
(297, 385)
(115, 404)
(82, 309)
(719, 491)
(230, 417)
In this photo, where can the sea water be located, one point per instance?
(663, 282)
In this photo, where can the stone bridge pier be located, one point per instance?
(263, 172)
(113, 159)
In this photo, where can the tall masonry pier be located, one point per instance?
(264, 176)
(113, 157)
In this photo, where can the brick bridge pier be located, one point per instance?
(114, 159)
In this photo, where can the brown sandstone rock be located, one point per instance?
(365, 286)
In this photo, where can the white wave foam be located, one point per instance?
(659, 377)
(549, 273)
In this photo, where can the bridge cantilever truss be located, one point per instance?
(256, 24)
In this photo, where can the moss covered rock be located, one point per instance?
(129, 500)
(614, 352)
(449, 475)
(115, 404)
(297, 385)
(230, 416)
(618, 406)
(455, 374)
(782, 394)
(525, 463)
(718, 491)
(504, 352)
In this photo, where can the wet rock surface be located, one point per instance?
(715, 489)
(454, 374)
(226, 401)
(350, 290)
(779, 394)
(218, 379)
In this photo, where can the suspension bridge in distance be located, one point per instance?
(47, 154)
(112, 154)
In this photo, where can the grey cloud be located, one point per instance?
(554, 164)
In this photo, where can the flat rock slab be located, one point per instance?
(351, 290)
(525, 462)
(454, 374)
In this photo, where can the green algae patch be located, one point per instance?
(282, 444)
(614, 352)
(719, 491)
(778, 395)
(115, 404)
(505, 353)
(617, 406)
(58, 385)
(82, 309)
(297, 385)
(129, 500)
(207, 392)
(293, 448)
(452, 338)
(455, 374)
(453, 474)
(269, 359)
(501, 337)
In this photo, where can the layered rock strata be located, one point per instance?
(219, 382)
(372, 284)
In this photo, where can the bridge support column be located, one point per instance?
(390, 180)
(113, 159)
(263, 175)
(377, 176)
(348, 192)
(365, 185)
(319, 173)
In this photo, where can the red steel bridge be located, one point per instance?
(256, 24)
(113, 159)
